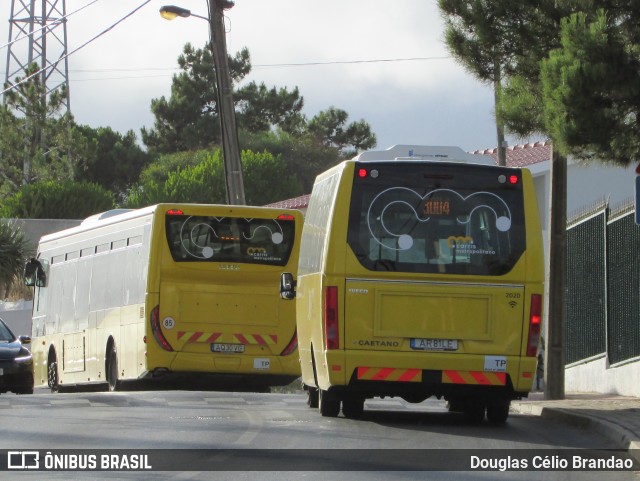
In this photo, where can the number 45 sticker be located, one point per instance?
(262, 364)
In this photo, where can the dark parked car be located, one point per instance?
(16, 364)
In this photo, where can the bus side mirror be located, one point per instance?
(287, 286)
(34, 274)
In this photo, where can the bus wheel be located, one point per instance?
(498, 414)
(474, 412)
(112, 373)
(455, 406)
(52, 373)
(329, 404)
(353, 407)
(312, 397)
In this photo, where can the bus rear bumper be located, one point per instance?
(434, 373)
(264, 370)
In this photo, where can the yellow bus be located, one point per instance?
(420, 275)
(165, 292)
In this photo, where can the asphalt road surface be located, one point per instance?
(211, 435)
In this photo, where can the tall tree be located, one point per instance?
(479, 35)
(113, 160)
(331, 129)
(37, 141)
(591, 87)
(189, 119)
(261, 108)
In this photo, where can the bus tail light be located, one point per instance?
(535, 325)
(292, 346)
(157, 332)
(332, 338)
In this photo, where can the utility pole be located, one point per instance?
(497, 84)
(226, 109)
(557, 281)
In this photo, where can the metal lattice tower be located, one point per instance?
(38, 34)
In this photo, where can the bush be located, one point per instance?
(15, 248)
(202, 183)
(266, 180)
(53, 200)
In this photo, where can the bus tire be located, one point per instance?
(474, 412)
(312, 396)
(498, 414)
(455, 406)
(353, 407)
(329, 404)
(53, 380)
(112, 372)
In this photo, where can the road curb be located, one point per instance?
(623, 438)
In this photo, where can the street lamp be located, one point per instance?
(228, 130)
(171, 12)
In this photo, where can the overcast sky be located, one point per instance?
(381, 61)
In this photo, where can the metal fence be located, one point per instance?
(603, 286)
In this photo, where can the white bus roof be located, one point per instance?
(104, 215)
(425, 152)
(97, 220)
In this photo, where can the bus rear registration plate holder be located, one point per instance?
(227, 347)
(434, 344)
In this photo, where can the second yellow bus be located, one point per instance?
(167, 291)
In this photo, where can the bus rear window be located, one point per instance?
(436, 218)
(230, 239)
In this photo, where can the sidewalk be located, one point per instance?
(615, 417)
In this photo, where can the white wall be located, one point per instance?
(597, 376)
(17, 315)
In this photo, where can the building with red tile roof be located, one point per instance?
(521, 155)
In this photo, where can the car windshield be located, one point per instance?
(5, 333)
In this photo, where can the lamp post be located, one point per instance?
(228, 129)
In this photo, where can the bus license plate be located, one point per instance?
(226, 347)
(434, 344)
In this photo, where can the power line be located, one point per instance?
(49, 26)
(350, 62)
(258, 66)
(108, 29)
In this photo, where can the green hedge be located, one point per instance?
(55, 200)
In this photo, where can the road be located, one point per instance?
(209, 420)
